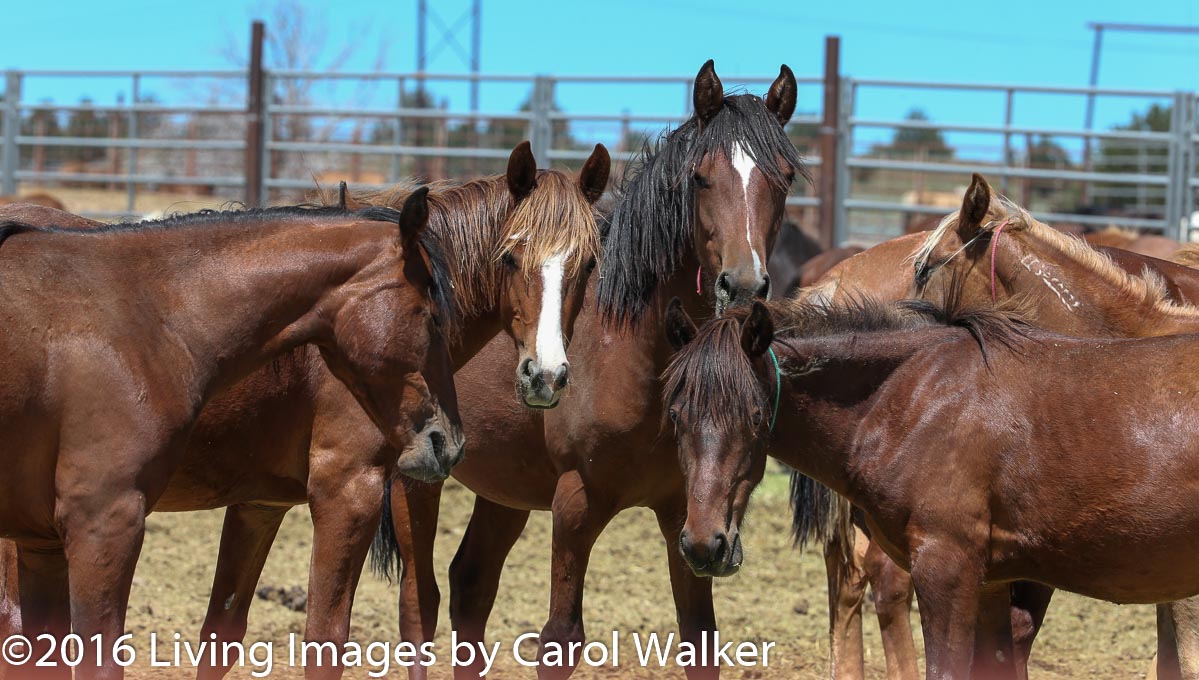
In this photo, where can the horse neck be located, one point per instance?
(823, 409)
(247, 293)
(1078, 298)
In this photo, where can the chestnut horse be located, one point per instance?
(311, 443)
(153, 319)
(969, 494)
(1119, 299)
(704, 204)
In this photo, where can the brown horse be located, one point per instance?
(39, 198)
(968, 494)
(153, 319)
(705, 204)
(288, 437)
(1107, 288)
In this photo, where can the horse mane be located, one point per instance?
(650, 229)
(479, 224)
(717, 380)
(1140, 292)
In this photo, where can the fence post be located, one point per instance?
(254, 118)
(829, 134)
(541, 129)
(844, 147)
(1176, 165)
(1190, 129)
(12, 127)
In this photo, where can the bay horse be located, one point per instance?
(944, 425)
(285, 438)
(152, 320)
(1123, 295)
(696, 217)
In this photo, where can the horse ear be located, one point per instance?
(414, 216)
(522, 171)
(975, 205)
(781, 97)
(341, 195)
(709, 92)
(680, 329)
(757, 331)
(593, 178)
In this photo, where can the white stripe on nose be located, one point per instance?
(551, 353)
(744, 165)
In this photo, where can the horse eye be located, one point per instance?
(790, 176)
(509, 261)
(757, 417)
(674, 416)
(700, 181)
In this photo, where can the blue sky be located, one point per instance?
(1039, 42)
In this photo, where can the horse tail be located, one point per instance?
(385, 549)
(818, 514)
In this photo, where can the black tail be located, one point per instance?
(385, 549)
(814, 513)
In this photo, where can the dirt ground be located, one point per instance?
(779, 596)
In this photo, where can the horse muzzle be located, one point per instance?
(540, 386)
(433, 453)
(717, 555)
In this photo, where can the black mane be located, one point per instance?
(650, 229)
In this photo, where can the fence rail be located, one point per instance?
(873, 189)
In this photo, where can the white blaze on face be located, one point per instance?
(551, 353)
(744, 165)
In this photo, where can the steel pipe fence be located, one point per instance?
(877, 187)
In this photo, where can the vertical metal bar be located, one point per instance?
(397, 129)
(541, 130)
(1008, 156)
(254, 119)
(1089, 121)
(12, 126)
(268, 136)
(849, 94)
(828, 141)
(1192, 128)
(1174, 165)
(131, 161)
(422, 21)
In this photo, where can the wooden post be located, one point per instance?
(827, 186)
(255, 117)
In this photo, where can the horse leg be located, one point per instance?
(578, 522)
(10, 598)
(1180, 659)
(475, 574)
(891, 590)
(948, 581)
(994, 658)
(692, 594)
(414, 509)
(45, 608)
(1030, 601)
(846, 590)
(345, 514)
(246, 539)
(103, 538)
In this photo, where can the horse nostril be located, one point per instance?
(560, 376)
(526, 369)
(437, 441)
(721, 548)
(722, 283)
(764, 288)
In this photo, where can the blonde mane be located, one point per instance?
(476, 225)
(1146, 290)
